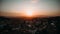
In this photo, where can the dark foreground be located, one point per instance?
(49, 25)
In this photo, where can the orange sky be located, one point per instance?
(19, 14)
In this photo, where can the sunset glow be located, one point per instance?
(29, 8)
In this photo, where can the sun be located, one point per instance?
(29, 13)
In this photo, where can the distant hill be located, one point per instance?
(55, 17)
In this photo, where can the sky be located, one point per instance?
(39, 7)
